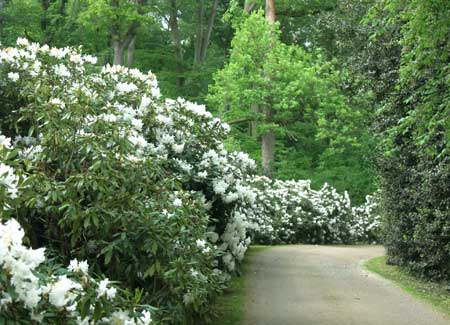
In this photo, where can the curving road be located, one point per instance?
(325, 285)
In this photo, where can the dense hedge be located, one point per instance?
(414, 128)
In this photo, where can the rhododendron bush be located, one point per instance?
(292, 212)
(97, 167)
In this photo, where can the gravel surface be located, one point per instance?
(318, 285)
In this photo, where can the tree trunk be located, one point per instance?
(209, 28)
(118, 52)
(249, 6)
(178, 49)
(62, 7)
(44, 19)
(199, 36)
(270, 11)
(268, 144)
(120, 42)
(130, 52)
(268, 138)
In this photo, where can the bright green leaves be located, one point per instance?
(320, 131)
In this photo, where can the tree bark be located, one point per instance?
(268, 138)
(270, 11)
(120, 43)
(249, 6)
(178, 49)
(209, 28)
(118, 52)
(44, 19)
(62, 7)
(130, 52)
(199, 36)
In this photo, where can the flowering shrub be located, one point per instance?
(292, 212)
(110, 174)
(67, 295)
(140, 188)
(34, 291)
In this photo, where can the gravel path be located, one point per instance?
(318, 285)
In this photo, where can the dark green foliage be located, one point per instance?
(413, 124)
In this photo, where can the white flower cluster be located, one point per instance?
(292, 212)
(235, 241)
(20, 265)
(19, 262)
(8, 178)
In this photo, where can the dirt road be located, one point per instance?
(326, 285)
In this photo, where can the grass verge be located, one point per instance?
(230, 308)
(433, 293)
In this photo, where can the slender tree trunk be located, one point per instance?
(253, 127)
(62, 7)
(209, 28)
(254, 124)
(178, 49)
(44, 19)
(268, 138)
(130, 52)
(249, 6)
(199, 36)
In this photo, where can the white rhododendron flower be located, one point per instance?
(57, 102)
(77, 267)
(5, 142)
(62, 71)
(14, 76)
(200, 243)
(9, 179)
(61, 292)
(178, 148)
(177, 202)
(22, 41)
(124, 87)
(103, 290)
(220, 186)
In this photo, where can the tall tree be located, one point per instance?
(268, 137)
(123, 18)
(176, 40)
(204, 32)
(284, 81)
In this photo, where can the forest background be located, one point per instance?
(322, 87)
